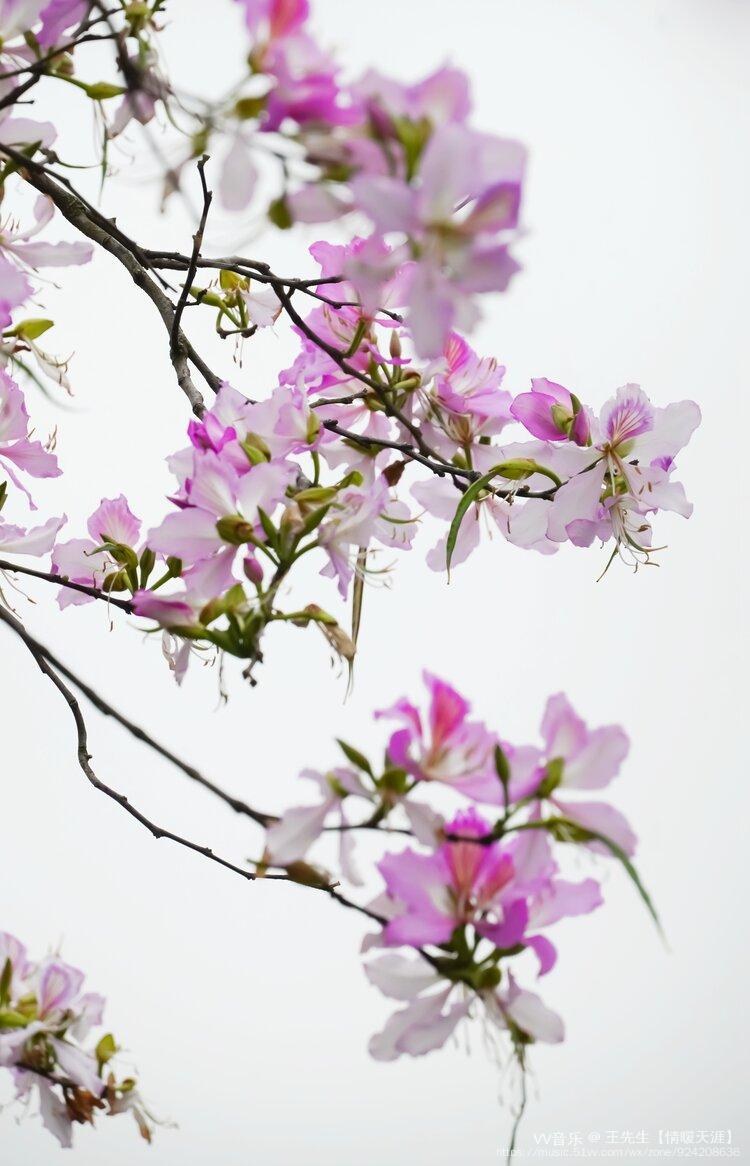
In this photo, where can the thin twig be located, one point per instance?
(43, 659)
(174, 336)
(104, 233)
(63, 581)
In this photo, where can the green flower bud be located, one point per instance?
(105, 1050)
(553, 776)
(562, 418)
(307, 875)
(230, 281)
(234, 529)
(31, 329)
(104, 90)
(517, 469)
(279, 214)
(256, 449)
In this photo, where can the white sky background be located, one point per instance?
(245, 1006)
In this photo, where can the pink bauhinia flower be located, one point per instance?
(465, 401)
(576, 758)
(290, 838)
(274, 19)
(58, 17)
(178, 610)
(501, 890)
(552, 413)
(22, 246)
(17, 450)
(45, 1018)
(88, 560)
(445, 745)
(15, 289)
(359, 515)
(216, 492)
(434, 1009)
(19, 16)
(458, 217)
(442, 96)
(634, 447)
(39, 540)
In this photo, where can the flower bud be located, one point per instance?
(410, 382)
(252, 569)
(234, 529)
(517, 469)
(553, 775)
(230, 281)
(307, 875)
(256, 449)
(562, 418)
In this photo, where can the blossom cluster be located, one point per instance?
(386, 421)
(262, 484)
(402, 156)
(473, 903)
(48, 1047)
(384, 383)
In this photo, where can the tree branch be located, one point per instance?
(44, 659)
(107, 236)
(135, 730)
(174, 335)
(63, 581)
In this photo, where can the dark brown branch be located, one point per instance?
(63, 581)
(255, 269)
(140, 734)
(44, 660)
(107, 236)
(49, 666)
(439, 468)
(174, 336)
(108, 710)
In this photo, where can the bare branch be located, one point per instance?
(174, 336)
(63, 581)
(44, 660)
(107, 236)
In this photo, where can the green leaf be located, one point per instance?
(314, 519)
(635, 878)
(565, 830)
(357, 759)
(359, 592)
(469, 496)
(268, 528)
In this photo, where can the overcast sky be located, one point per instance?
(245, 1006)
